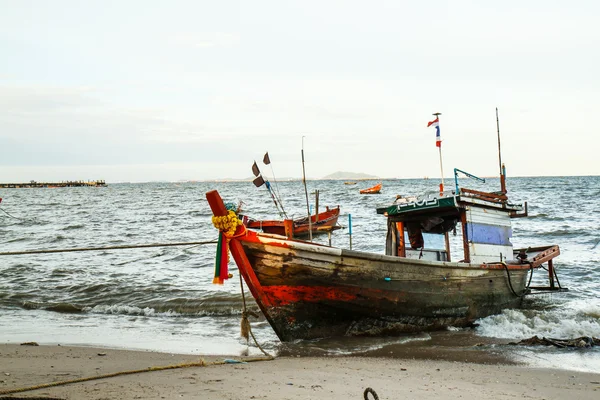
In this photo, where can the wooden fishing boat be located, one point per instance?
(308, 290)
(323, 222)
(372, 190)
(349, 183)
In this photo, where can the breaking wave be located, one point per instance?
(161, 311)
(575, 319)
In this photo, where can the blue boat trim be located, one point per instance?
(489, 234)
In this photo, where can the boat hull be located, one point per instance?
(372, 190)
(326, 222)
(310, 291)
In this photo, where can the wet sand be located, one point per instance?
(282, 378)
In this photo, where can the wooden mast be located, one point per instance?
(502, 170)
(306, 193)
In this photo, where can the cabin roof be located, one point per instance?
(418, 208)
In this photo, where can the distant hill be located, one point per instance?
(349, 175)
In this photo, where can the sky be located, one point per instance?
(137, 91)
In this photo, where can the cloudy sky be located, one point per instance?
(171, 90)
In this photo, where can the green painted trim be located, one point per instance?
(424, 204)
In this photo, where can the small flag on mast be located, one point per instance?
(436, 124)
(258, 181)
(255, 169)
(266, 159)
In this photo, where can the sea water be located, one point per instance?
(163, 299)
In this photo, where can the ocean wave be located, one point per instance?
(161, 311)
(571, 321)
(64, 308)
(128, 310)
(546, 217)
(56, 307)
(72, 227)
(17, 239)
(15, 271)
(198, 213)
(562, 233)
(63, 272)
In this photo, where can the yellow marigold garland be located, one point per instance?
(227, 223)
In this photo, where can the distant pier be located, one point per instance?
(34, 184)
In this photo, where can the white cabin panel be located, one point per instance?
(488, 217)
(487, 253)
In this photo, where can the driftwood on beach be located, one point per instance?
(580, 342)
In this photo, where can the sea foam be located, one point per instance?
(573, 319)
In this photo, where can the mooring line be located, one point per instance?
(133, 246)
(12, 216)
(201, 363)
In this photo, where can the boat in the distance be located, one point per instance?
(326, 221)
(308, 290)
(372, 190)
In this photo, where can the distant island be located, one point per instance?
(339, 175)
(349, 176)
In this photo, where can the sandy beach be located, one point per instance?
(281, 378)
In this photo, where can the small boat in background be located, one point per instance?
(372, 190)
(324, 222)
(320, 223)
(349, 183)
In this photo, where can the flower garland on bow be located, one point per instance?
(227, 225)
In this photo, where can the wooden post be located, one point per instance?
(551, 273)
(447, 239)
(401, 244)
(437, 116)
(463, 221)
(502, 169)
(350, 229)
(310, 235)
(288, 225)
(216, 203)
(316, 206)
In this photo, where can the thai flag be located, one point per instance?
(436, 124)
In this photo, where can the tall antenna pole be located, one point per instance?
(500, 165)
(277, 194)
(306, 193)
(437, 116)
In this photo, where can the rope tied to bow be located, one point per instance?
(227, 226)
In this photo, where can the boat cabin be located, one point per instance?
(418, 228)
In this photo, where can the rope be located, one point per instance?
(525, 291)
(246, 328)
(133, 246)
(31, 398)
(369, 390)
(135, 371)
(12, 216)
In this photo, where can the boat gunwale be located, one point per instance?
(267, 239)
(327, 216)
